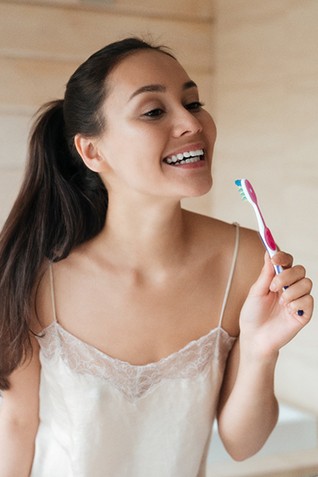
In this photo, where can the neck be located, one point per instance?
(145, 237)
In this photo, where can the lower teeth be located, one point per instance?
(186, 161)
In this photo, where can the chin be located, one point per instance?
(200, 189)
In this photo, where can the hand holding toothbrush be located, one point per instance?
(279, 304)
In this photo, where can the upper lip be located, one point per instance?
(186, 148)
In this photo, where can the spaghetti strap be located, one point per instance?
(52, 292)
(230, 279)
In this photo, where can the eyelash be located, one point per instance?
(156, 113)
(195, 106)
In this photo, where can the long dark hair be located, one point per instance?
(61, 203)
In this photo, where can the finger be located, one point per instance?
(306, 304)
(283, 259)
(287, 277)
(297, 290)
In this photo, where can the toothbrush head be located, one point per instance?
(246, 190)
(248, 193)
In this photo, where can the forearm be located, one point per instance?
(16, 449)
(251, 410)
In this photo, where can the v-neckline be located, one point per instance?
(118, 361)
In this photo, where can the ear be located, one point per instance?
(87, 149)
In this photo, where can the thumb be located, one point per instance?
(262, 284)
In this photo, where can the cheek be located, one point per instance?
(211, 128)
(132, 144)
(143, 145)
(211, 134)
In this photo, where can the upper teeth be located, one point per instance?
(186, 157)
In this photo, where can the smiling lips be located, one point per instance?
(187, 157)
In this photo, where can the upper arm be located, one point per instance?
(229, 376)
(19, 418)
(20, 404)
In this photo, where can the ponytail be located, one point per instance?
(61, 204)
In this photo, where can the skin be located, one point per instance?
(154, 278)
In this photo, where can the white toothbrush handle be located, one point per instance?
(266, 236)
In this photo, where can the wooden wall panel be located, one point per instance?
(9, 184)
(201, 9)
(267, 104)
(14, 132)
(69, 34)
(27, 83)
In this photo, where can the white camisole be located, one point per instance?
(102, 417)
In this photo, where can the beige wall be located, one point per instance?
(257, 68)
(267, 116)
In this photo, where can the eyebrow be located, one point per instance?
(159, 88)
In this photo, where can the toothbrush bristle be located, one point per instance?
(238, 182)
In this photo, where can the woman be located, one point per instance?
(119, 309)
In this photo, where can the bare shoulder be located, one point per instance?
(210, 230)
(44, 291)
(53, 284)
(250, 260)
(251, 250)
(251, 255)
(220, 237)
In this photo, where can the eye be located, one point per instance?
(154, 113)
(195, 106)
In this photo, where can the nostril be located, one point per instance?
(188, 128)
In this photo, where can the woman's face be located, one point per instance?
(158, 140)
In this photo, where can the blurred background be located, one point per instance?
(256, 63)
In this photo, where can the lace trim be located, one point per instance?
(135, 381)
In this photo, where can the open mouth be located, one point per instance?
(186, 157)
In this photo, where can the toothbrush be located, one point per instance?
(248, 193)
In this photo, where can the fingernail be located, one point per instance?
(273, 287)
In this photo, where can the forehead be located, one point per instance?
(143, 68)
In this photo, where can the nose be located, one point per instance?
(186, 123)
